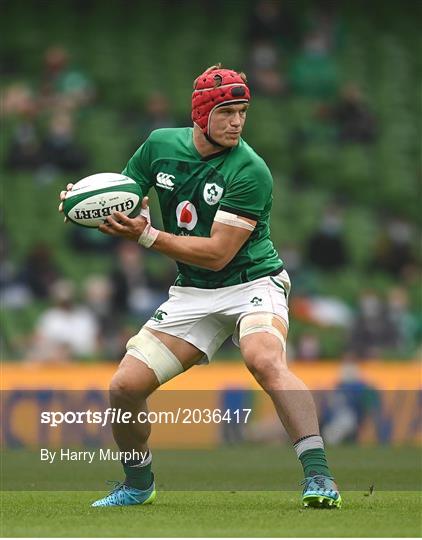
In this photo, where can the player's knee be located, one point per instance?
(124, 392)
(119, 391)
(267, 367)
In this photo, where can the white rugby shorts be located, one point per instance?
(207, 317)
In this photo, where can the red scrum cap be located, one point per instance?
(216, 87)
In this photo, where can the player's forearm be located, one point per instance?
(199, 251)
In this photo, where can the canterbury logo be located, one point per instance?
(164, 180)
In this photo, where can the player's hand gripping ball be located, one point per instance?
(91, 200)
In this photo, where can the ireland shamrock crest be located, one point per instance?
(212, 193)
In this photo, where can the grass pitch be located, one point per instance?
(205, 513)
(34, 503)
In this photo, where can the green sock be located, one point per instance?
(139, 477)
(314, 462)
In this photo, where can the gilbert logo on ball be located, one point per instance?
(187, 216)
(95, 197)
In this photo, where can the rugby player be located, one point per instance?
(215, 195)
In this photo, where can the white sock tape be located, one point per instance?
(314, 441)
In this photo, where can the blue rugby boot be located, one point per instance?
(123, 495)
(320, 492)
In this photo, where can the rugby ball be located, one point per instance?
(95, 197)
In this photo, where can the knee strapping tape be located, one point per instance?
(150, 350)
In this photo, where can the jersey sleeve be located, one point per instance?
(249, 193)
(139, 167)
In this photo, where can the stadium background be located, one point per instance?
(336, 115)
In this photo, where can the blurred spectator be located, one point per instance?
(6, 267)
(348, 406)
(326, 248)
(373, 331)
(308, 347)
(351, 115)
(393, 250)
(322, 18)
(57, 150)
(65, 330)
(90, 241)
(273, 20)
(60, 149)
(292, 257)
(157, 114)
(264, 73)
(98, 294)
(63, 86)
(14, 294)
(402, 318)
(24, 152)
(18, 99)
(311, 131)
(234, 399)
(303, 277)
(39, 270)
(314, 72)
(134, 289)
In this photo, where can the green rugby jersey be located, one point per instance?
(191, 189)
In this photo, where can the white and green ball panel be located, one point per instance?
(92, 200)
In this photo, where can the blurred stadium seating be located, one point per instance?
(131, 49)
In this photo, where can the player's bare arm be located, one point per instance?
(213, 253)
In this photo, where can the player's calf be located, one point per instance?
(294, 404)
